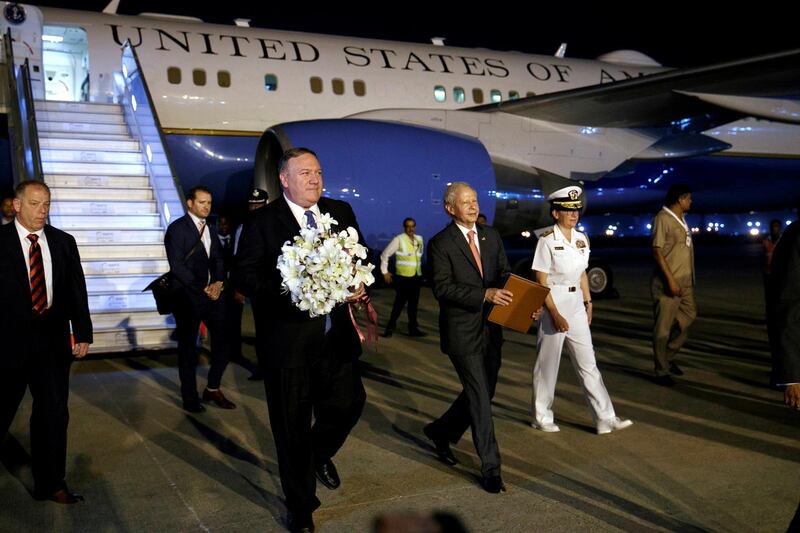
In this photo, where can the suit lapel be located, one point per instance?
(286, 217)
(461, 244)
(20, 269)
(483, 245)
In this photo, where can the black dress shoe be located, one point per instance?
(665, 381)
(328, 475)
(493, 484)
(62, 496)
(675, 369)
(417, 333)
(387, 333)
(443, 450)
(193, 405)
(218, 398)
(301, 523)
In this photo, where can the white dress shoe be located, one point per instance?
(547, 427)
(612, 424)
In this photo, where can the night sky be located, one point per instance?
(674, 33)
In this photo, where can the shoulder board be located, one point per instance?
(546, 233)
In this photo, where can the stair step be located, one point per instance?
(138, 266)
(89, 156)
(82, 180)
(119, 236)
(113, 283)
(59, 194)
(80, 116)
(132, 318)
(122, 251)
(98, 169)
(82, 127)
(73, 143)
(84, 136)
(109, 340)
(80, 107)
(81, 207)
(114, 301)
(67, 222)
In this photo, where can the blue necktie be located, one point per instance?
(313, 224)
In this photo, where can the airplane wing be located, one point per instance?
(764, 87)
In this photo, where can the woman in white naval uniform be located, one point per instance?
(560, 261)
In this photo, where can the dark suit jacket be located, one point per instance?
(191, 276)
(69, 304)
(458, 286)
(783, 301)
(289, 337)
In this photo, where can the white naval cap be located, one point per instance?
(566, 199)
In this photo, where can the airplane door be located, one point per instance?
(25, 23)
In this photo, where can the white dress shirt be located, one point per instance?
(300, 212)
(46, 257)
(206, 233)
(465, 232)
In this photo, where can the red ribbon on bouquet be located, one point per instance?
(372, 320)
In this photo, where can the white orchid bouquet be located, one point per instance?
(322, 268)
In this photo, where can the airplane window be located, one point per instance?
(359, 88)
(338, 86)
(270, 82)
(513, 95)
(477, 95)
(458, 95)
(439, 93)
(529, 94)
(224, 78)
(316, 84)
(174, 75)
(199, 76)
(495, 95)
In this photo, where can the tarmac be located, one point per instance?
(717, 452)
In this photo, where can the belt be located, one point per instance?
(567, 287)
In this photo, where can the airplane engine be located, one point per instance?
(389, 171)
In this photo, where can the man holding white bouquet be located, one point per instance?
(302, 260)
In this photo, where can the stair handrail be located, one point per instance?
(141, 116)
(24, 135)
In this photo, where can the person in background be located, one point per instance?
(7, 211)
(407, 249)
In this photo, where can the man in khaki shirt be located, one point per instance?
(672, 285)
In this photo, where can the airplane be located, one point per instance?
(394, 122)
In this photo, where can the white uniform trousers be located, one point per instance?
(578, 339)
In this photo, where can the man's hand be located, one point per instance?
(791, 396)
(560, 323)
(388, 278)
(80, 350)
(214, 290)
(358, 294)
(675, 289)
(498, 296)
(239, 297)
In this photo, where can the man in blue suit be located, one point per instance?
(196, 262)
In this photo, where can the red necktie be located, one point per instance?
(38, 285)
(475, 253)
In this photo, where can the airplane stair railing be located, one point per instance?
(142, 120)
(26, 158)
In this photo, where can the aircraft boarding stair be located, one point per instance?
(101, 194)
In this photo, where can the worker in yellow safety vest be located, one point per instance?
(407, 249)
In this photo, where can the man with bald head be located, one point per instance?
(310, 364)
(469, 267)
(44, 291)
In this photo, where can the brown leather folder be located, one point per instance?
(528, 297)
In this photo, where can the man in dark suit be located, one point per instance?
(469, 265)
(311, 364)
(43, 290)
(783, 310)
(196, 262)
